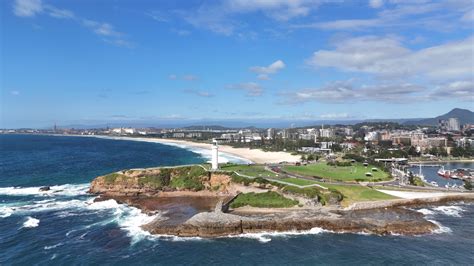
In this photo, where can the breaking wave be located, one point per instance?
(60, 190)
(31, 222)
(441, 228)
(265, 237)
(128, 218)
(454, 211)
(425, 211)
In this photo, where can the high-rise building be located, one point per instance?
(326, 132)
(270, 133)
(453, 124)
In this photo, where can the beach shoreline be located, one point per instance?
(244, 154)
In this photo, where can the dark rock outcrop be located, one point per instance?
(382, 222)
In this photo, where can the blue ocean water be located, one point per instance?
(66, 227)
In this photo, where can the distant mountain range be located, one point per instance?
(465, 117)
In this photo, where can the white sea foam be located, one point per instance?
(441, 228)
(61, 190)
(31, 222)
(425, 211)
(128, 218)
(5, 211)
(454, 211)
(265, 237)
(53, 246)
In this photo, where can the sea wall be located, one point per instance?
(411, 202)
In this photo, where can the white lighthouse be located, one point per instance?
(215, 155)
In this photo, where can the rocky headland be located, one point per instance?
(197, 202)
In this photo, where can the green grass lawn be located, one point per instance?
(355, 193)
(298, 181)
(340, 173)
(250, 170)
(268, 199)
(352, 193)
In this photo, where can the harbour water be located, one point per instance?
(65, 226)
(430, 173)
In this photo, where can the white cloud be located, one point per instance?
(60, 13)
(386, 57)
(103, 29)
(30, 8)
(347, 92)
(343, 24)
(172, 76)
(265, 71)
(27, 8)
(335, 116)
(252, 88)
(282, 10)
(427, 14)
(463, 90)
(199, 93)
(221, 17)
(375, 3)
(14, 93)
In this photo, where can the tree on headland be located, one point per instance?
(467, 185)
(303, 158)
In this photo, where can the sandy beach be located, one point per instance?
(254, 155)
(250, 155)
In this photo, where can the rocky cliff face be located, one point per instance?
(150, 182)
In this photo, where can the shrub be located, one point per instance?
(338, 163)
(309, 192)
(268, 199)
(184, 182)
(467, 185)
(110, 178)
(189, 177)
(355, 157)
(151, 181)
(240, 179)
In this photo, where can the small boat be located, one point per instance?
(434, 184)
(444, 173)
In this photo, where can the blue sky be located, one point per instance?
(91, 62)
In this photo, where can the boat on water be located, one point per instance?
(456, 173)
(434, 184)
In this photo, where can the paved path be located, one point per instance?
(412, 194)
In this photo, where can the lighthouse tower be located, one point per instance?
(215, 155)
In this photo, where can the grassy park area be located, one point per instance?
(355, 172)
(355, 193)
(352, 193)
(268, 199)
(249, 170)
(298, 181)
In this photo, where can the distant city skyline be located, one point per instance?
(91, 62)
